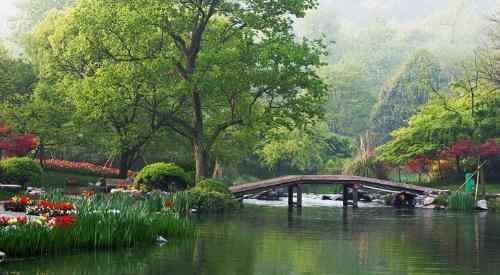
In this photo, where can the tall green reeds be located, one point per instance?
(105, 221)
(461, 201)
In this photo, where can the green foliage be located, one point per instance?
(443, 121)
(441, 200)
(308, 150)
(460, 201)
(164, 176)
(211, 185)
(205, 201)
(20, 171)
(410, 88)
(367, 167)
(17, 76)
(131, 76)
(351, 98)
(103, 222)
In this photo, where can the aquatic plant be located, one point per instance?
(461, 201)
(202, 201)
(102, 221)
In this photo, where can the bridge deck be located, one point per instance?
(269, 184)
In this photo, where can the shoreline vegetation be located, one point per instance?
(153, 208)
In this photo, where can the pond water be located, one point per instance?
(317, 240)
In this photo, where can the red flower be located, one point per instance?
(22, 219)
(62, 221)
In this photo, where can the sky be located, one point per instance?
(7, 10)
(354, 11)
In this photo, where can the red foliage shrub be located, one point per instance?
(490, 148)
(419, 164)
(16, 145)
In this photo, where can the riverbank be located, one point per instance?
(58, 223)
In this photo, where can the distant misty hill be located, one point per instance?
(400, 11)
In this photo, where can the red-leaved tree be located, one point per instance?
(420, 164)
(16, 144)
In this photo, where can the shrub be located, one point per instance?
(370, 167)
(441, 200)
(211, 185)
(164, 176)
(208, 196)
(20, 171)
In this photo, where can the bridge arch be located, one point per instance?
(354, 182)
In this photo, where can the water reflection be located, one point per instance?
(263, 240)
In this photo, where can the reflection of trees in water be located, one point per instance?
(316, 241)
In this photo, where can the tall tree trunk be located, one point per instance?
(200, 152)
(217, 170)
(459, 168)
(201, 161)
(124, 164)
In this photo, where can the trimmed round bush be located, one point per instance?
(20, 171)
(163, 176)
(211, 185)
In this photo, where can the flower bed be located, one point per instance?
(85, 168)
(18, 203)
(51, 209)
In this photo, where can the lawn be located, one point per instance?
(57, 179)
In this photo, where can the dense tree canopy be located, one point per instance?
(196, 68)
(406, 92)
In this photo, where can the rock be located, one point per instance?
(2, 256)
(36, 192)
(482, 205)
(362, 196)
(160, 240)
(326, 198)
(428, 200)
(379, 201)
(269, 196)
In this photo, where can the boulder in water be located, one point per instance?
(482, 205)
(269, 196)
(326, 198)
(2, 256)
(428, 200)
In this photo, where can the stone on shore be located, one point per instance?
(482, 205)
(2, 256)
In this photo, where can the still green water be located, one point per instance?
(270, 240)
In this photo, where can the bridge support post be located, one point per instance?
(290, 197)
(299, 196)
(355, 196)
(345, 193)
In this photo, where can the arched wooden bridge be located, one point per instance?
(354, 182)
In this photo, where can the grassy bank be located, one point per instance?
(101, 222)
(57, 179)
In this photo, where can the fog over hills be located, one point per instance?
(7, 11)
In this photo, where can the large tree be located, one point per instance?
(200, 67)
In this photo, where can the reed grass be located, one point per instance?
(104, 222)
(460, 201)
